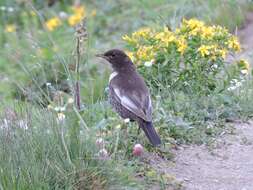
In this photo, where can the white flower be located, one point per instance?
(100, 142)
(50, 107)
(70, 101)
(149, 63)
(127, 120)
(23, 124)
(59, 109)
(63, 15)
(103, 153)
(235, 83)
(5, 124)
(118, 126)
(2, 8)
(10, 9)
(62, 109)
(244, 71)
(81, 132)
(231, 88)
(61, 117)
(215, 66)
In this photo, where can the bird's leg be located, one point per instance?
(139, 130)
(125, 128)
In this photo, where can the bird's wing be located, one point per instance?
(135, 100)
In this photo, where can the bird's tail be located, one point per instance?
(150, 132)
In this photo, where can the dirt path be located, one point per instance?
(246, 38)
(228, 165)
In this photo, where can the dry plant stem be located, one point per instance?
(81, 36)
(77, 86)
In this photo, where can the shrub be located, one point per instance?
(191, 58)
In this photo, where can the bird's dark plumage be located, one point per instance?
(128, 93)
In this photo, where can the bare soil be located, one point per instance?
(228, 165)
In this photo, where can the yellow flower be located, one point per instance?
(53, 23)
(193, 23)
(234, 44)
(79, 14)
(243, 64)
(193, 27)
(194, 32)
(33, 13)
(129, 39)
(145, 53)
(207, 32)
(10, 28)
(166, 37)
(142, 33)
(204, 50)
(130, 55)
(181, 43)
(160, 36)
(79, 10)
(223, 53)
(74, 19)
(219, 30)
(93, 12)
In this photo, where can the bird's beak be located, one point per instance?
(102, 56)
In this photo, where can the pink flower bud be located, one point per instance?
(138, 150)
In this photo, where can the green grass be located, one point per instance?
(49, 155)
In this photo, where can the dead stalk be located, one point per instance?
(81, 36)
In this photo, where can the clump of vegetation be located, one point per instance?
(45, 150)
(192, 58)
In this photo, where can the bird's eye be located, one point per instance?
(112, 55)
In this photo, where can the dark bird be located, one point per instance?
(128, 93)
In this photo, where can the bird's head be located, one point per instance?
(118, 59)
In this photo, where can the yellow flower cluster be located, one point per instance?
(194, 27)
(204, 50)
(213, 51)
(53, 23)
(233, 43)
(165, 37)
(145, 53)
(162, 39)
(210, 42)
(244, 66)
(181, 45)
(79, 14)
(143, 33)
(130, 55)
(10, 28)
